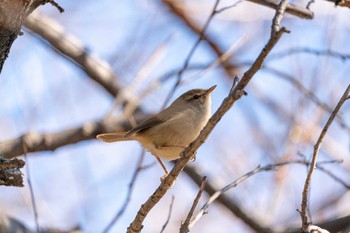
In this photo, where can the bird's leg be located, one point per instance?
(193, 157)
(164, 168)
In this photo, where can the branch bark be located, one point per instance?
(50, 141)
(12, 14)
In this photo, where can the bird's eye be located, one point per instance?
(196, 97)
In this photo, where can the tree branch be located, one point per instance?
(50, 141)
(12, 15)
(314, 159)
(290, 8)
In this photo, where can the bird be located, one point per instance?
(166, 134)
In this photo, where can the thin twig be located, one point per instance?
(55, 4)
(229, 7)
(177, 8)
(121, 211)
(269, 167)
(190, 54)
(169, 214)
(32, 196)
(185, 225)
(304, 201)
(317, 52)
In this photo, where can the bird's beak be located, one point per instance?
(210, 90)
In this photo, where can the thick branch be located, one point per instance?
(51, 141)
(73, 49)
(12, 14)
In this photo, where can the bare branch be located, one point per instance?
(68, 45)
(271, 167)
(314, 159)
(55, 4)
(51, 141)
(290, 8)
(228, 202)
(185, 225)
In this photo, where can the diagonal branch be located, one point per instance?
(317, 146)
(235, 93)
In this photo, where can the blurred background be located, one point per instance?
(137, 48)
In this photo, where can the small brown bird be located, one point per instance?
(169, 132)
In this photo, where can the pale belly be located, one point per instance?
(167, 141)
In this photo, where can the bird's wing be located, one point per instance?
(149, 123)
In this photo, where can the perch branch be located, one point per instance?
(234, 95)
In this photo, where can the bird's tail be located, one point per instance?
(114, 137)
